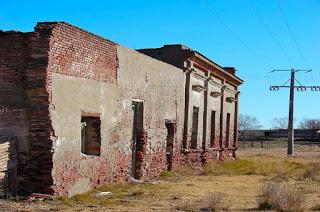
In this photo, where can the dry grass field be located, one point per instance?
(233, 186)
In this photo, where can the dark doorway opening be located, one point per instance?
(194, 135)
(228, 130)
(170, 142)
(136, 145)
(213, 128)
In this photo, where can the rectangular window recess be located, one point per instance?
(90, 135)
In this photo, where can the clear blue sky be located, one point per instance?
(146, 23)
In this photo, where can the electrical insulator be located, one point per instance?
(274, 88)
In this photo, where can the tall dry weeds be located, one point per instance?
(217, 201)
(281, 197)
(186, 205)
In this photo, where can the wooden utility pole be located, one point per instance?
(290, 124)
(292, 87)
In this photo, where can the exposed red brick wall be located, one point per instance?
(25, 58)
(27, 63)
(13, 59)
(37, 170)
(177, 155)
(226, 153)
(142, 140)
(154, 163)
(98, 169)
(192, 157)
(78, 53)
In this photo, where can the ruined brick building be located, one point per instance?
(77, 110)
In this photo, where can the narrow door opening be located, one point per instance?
(228, 130)
(194, 135)
(137, 127)
(170, 142)
(213, 128)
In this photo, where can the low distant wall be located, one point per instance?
(300, 134)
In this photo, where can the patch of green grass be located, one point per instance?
(119, 192)
(172, 176)
(279, 169)
(168, 174)
(232, 167)
(187, 170)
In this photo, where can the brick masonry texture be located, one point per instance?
(24, 97)
(51, 76)
(77, 53)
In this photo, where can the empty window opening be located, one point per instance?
(228, 130)
(213, 128)
(170, 142)
(90, 135)
(194, 135)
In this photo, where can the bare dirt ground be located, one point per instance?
(186, 188)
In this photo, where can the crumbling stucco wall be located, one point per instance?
(214, 104)
(74, 171)
(228, 145)
(82, 69)
(204, 77)
(161, 88)
(192, 155)
(59, 72)
(229, 108)
(75, 88)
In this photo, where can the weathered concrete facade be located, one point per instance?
(211, 104)
(85, 111)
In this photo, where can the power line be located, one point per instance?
(256, 12)
(291, 33)
(234, 34)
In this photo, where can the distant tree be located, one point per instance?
(307, 123)
(280, 123)
(248, 122)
